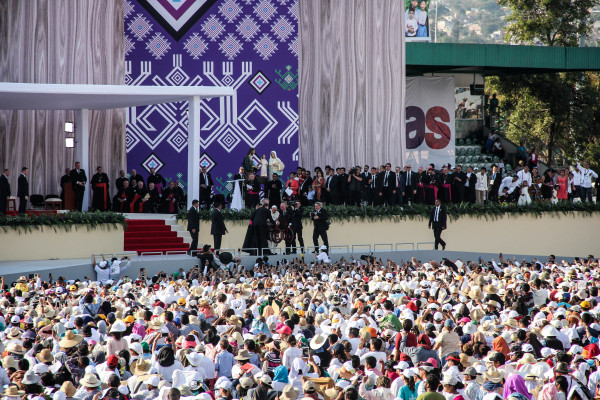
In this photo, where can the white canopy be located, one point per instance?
(82, 98)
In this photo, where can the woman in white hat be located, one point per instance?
(116, 343)
(31, 384)
(12, 392)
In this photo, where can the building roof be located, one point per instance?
(494, 59)
(40, 96)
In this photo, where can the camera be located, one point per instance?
(368, 258)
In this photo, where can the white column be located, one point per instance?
(82, 149)
(193, 178)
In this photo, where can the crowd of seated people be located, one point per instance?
(136, 196)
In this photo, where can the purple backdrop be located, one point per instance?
(251, 45)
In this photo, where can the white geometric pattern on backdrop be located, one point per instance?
(288, 111)
(175, 114)
(235, 126)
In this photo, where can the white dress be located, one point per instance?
(524, 198)
(554, 197)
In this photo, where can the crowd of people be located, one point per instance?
(353, 329)
(382, 185)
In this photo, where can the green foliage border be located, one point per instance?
(66, 222)
(422, 212)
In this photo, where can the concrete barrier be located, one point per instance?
(48, 242)
(572, 234)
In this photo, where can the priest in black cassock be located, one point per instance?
(171, 197)
(151, 199)
(122, 178)
(122, 200)
(159, 182)
(446, 180)
(139, 194)
(134, 176)
(273, 190)
(101, 198)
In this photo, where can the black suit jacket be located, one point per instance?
(217, 227)
(378, 182)
(334, 182)
(261, 216)
(497, 180)
(23, 186)
(414, 178)
(441, 223)
(78, 177)
(391, 179)
(208, 182)
(135, 178)
(306, 185)
(193, 220)
(4, 187)
(157, 178)
(321, 223)
(119, 182)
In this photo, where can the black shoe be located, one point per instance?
(443, 247)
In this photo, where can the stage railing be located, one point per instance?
(411, 244)
(419, 245)
(383, 247)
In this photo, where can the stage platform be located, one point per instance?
(80, 268)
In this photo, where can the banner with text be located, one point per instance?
(430, 134)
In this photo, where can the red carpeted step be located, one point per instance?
(153, 240)
(134, 222)
(164, 251)
(144, 228)
(150, 234)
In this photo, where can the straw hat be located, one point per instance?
(14, 391)
(527, 358)
(490, 289)
(9, 362)
(45, 356)
(492, 303)
(242, 355)
(90, 381)
(290, 393)
(155, 324)
(477, 314)
(493, 375)
(14, 333)
(70, 340)
(68, 388)
(512, 323)
(475, 293)
(140, 367)
(318, 341)
(15, 348)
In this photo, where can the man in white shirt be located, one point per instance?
(586, 181)
(510, 182)
(481, 186)
(524, 176)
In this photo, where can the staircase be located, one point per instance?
(155, 235)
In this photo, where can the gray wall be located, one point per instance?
(351, 82)
(60, 41)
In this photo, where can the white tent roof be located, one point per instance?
(39, 96)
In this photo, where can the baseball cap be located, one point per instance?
(112, 361)
(309, 387)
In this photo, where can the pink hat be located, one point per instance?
(433, 362)
(189, 344)
(464, 320)
(285, 330)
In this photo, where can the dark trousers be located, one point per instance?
(22, 205)
(374, 198)
(298, 234)
(586, 194)
(3, 205)
(217, 240)
(437, 234)
(322, 232)
(493, 195)
(251, 201)
(388, 196)
(79, 199)
(260, 239)
(408, 195)
(354, 199)
(204, 196)
(194, 244)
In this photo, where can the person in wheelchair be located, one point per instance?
(273, 225)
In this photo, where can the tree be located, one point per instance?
(552, 22)
(557, 109)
